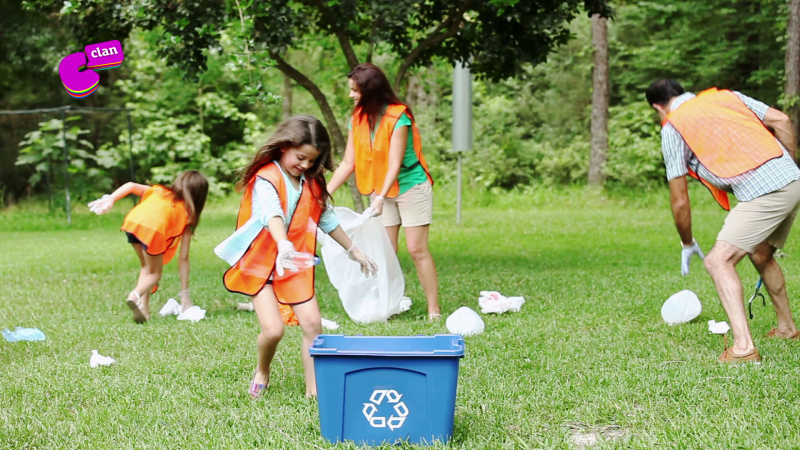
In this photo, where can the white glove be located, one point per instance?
(377, 206)
(686, 256)
(102, 205)
(285, 259)
(368, 266)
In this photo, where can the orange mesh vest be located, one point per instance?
(249, 275)
(158, 221)
(372, 156)
(725, 135)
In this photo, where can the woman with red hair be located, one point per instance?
(384, 150)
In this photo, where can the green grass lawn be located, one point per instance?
(588, 354)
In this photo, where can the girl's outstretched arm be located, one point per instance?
(341, 237)
(104, 204)
(277, 228)
(129, 188)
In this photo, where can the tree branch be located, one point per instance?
(372, 38)
(333, 126)
(453, 21)
(315, 92)
(341, 35)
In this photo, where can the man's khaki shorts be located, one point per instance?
(767, 219)
(414, 208)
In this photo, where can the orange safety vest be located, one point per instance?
(249, 275)
(725, 135)
(372, 156)
(158, 221)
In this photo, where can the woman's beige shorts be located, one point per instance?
(414, 208)
(767, 219)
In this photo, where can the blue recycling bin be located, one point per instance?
(384, 389)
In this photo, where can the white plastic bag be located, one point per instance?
(465, 322)
(365, 300)
(681, 308)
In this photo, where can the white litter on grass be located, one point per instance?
(681, 308)
(497, 303)
(329, 324)
(171, 308)
(465, 322)
(99, 360)
(194, 314)
(405, 303)
(718, 327)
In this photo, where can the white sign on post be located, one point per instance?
(462, 121)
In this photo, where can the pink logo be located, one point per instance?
(78, 75)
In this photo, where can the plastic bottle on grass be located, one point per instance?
(23, 334)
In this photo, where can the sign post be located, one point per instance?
(462, 121)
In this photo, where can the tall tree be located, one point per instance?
(287, 97)
(600, 88)
(792, 91)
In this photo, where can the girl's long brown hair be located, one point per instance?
(376, 92)
(294, 132)
(191, 187)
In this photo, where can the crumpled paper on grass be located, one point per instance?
(171, 308)
(99, 360)
(193, 314)
(496, 303)
(329, 324)
(718, 327)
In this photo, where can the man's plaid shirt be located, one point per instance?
(770, 177)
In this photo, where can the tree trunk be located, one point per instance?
(599, 143)
(287, 96)
(792, 90)
(335, 132)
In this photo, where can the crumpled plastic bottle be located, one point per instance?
(305, 260)
(23, 334)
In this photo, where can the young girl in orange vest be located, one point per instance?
(285, 200)
(166, 217)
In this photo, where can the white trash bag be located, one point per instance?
(681, 308)
(465, 322)
(365, 300)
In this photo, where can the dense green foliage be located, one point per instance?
(530, 128)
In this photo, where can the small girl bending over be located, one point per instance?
(165, 217)
(284, 201)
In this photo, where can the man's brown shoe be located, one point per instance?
(773, 333)
(728, 357)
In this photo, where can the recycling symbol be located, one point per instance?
(392, 397)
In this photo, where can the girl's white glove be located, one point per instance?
(368, 266)
(285, 260)
(102, 205)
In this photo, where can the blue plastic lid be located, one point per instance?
(339, 344)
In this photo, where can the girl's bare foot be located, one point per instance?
(311, 394)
